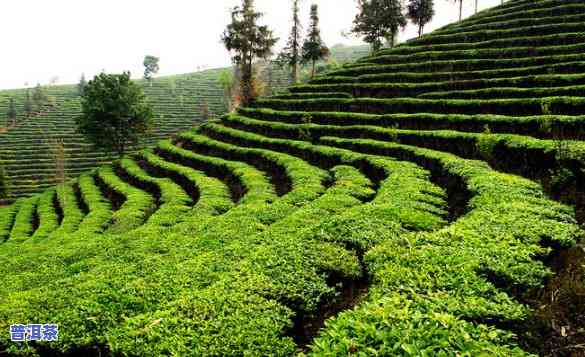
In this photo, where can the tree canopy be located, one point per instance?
(151, 67)
(114, 112)
(421, 12)
(379, 20)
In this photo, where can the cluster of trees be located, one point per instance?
(381, 20)
(298, 51)
(247, 41)
(32, 104)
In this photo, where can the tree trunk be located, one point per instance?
(476, 5)
(460, 10)
(313, 70)
(420, 29)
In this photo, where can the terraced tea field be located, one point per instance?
(424, 201)
(28, 150)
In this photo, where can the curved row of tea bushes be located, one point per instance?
(171, 200)
(48, 218)
(540, 126)
(137, 204)
(517, 107)
(72, 214)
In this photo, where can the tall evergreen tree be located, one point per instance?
(421, 12)
(12, 111)
(39, 97)
(81, 85)
(247, 40)
(291, 53)
(378, 20)
(314, 49)
(28, 104)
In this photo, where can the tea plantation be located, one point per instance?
(28, 150)
(418, 200)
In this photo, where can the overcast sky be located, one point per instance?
(42, 39)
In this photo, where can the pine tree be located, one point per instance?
(28, 104)
(291, 53)
(247, 40)
(314, 49)
(378, 20)
(12, 112)
(81, 85)
(39, 97)
(421, 12)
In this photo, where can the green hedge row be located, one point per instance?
(426, 216)
(485, 35)
(311, 95)
(138, 205)
(100, 208)
(515, 107)
(210, 195)
(47, 215)
(529, 157)
(529, 10)
(562, 68)
(390, 90)
(508, 92)
(7, 216)
(461, 65)
(541, 126)
(490, 53)
(72, 213)
(23, 226)
(562, 14)
(254, 185)
(529, 42)
(172, 201)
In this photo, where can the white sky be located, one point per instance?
(64, 38)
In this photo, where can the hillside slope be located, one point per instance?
(421, 201)
(28, 150)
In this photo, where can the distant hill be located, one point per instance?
(27, 150)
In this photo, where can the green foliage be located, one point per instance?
(115, 112)
(420, 12)
(379, 20)
(247, 40)
(151, 67)
(39, 97)
(81, 85)
(226, 239)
